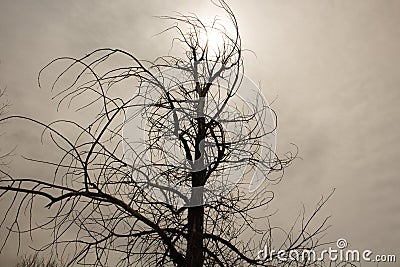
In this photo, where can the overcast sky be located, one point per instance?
(333, 67)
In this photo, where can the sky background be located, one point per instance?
(332, 66)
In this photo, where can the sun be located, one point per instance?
(215, 38)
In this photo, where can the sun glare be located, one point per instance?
(215, 40)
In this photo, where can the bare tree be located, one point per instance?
(125, 196)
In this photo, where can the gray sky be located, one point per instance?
(333, 66)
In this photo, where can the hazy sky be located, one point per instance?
(332, 65)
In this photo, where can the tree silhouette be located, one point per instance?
(168, 176)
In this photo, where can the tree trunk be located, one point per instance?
(194, 250)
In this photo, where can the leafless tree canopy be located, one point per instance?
(102, 197)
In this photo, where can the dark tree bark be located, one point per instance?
(194, 251)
